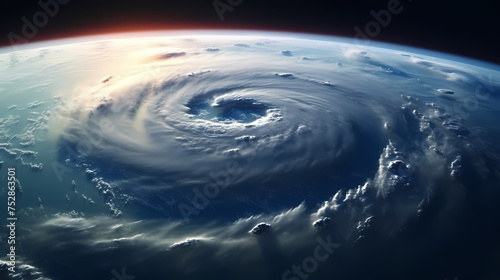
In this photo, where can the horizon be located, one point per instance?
(126, 35)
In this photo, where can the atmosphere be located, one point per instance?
(460, 27)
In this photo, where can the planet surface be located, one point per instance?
(247, 155)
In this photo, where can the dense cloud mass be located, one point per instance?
(268, 157)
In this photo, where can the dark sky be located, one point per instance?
(469, 28)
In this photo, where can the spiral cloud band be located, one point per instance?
(218, 155)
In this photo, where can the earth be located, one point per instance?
(247, 155)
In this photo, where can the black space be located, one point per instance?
(468, 28)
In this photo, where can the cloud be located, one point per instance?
(279, 151)
(172, 55)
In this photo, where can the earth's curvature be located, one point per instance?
(224, 155)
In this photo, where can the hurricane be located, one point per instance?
(234, 155)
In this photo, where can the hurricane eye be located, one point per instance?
(227, 108)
